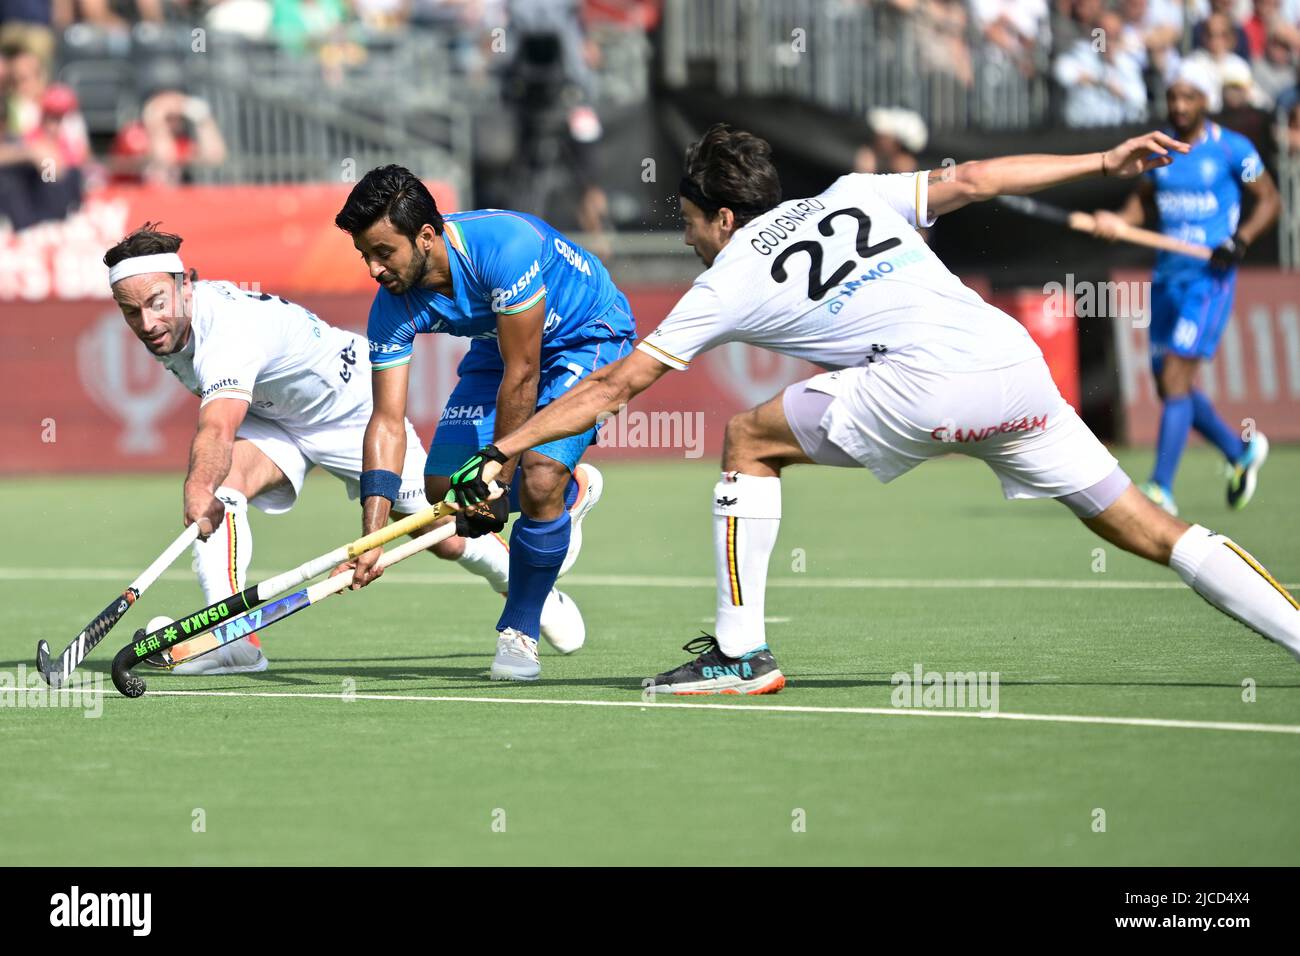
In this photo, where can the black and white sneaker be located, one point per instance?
(713, 672)
(1243, 475)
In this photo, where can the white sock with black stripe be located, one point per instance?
(222, 561)
(1227, 576)
(746, 518)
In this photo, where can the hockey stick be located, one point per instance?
(95, 631)
(260, 618)
(1086, 223)
(249, 598)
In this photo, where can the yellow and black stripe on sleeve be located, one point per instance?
(1263, 573)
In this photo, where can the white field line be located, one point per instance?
(742, 708)
(124, 575)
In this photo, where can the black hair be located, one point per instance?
(729, 167)
(148, 240)
(393, 192)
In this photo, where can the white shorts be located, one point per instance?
(336, 448)
(889, 416)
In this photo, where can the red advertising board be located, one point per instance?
(1049, 319)
(1255, 375)
(86, 396)
(272, 237)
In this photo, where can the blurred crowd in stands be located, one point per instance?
(1111, 59)
(1108, 62)
(46, 156)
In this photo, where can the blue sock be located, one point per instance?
(1214, 429)
(571, 492)
(537, 550)
(1175, 423)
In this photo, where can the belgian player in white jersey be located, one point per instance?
(919, 366)
(280, 392)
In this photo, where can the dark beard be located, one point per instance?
(416, 275)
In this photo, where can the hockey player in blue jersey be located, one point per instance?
(1197, 198)
(542, 313)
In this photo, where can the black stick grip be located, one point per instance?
(194, 624)
(142, 644)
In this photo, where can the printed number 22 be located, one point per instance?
(816, 287)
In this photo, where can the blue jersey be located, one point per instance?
(1199, 196)
(503, 263)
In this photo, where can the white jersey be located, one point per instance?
(837, 280)
(290, 367)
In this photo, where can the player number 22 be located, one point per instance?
(816, 287)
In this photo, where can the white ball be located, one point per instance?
(157, 623)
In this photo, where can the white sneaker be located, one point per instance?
(516, 657)
(241, 657)
(590, 484)
(562, 623)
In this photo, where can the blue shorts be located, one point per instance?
(469, 419)
(1188, 315)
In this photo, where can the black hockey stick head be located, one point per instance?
(43, 661)
(83, 643)
(127, 684)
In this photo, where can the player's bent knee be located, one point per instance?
(742, 431)
(544, 481)
(449, 549)
(1176, 377)
(252, 471)
(1171, 386)
(1095, 499)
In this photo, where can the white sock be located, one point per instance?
(222, 561)
(489, 558)
(1223, 573)
(746, 517)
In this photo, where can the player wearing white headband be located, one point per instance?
(280, 392)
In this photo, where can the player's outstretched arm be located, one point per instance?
(602, 393)
(382, 453)
(210, 457)
(952, 187)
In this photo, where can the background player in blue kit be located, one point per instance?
(542, 313)
(1197, 198)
